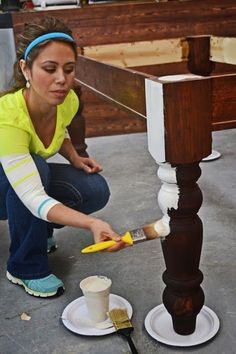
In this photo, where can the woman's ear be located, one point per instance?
(24, 69)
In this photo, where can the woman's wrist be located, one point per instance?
(72, 157)
(93, 224)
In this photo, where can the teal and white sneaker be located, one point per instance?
(44, 287)
(52, 245)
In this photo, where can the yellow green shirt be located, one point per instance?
(17, 131)
(18, 140)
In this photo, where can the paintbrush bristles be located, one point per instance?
(120, 318)
(144, 233)
(150, 231)
(123, 326)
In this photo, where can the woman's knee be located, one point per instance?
(96, 194)
(102, 191)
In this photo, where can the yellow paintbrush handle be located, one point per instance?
(98, 246)
(106, 244)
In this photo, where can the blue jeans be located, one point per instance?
(75, 188)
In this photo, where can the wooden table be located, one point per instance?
(181, 112)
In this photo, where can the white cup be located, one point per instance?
(96, 290)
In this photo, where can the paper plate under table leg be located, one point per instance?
(158, 324)
(213, 156)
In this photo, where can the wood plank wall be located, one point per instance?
(133, 21)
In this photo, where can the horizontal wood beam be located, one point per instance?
(223, 102)
(140, 53)
(162, 51)
(124, 88)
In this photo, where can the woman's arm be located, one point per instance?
(24, 178)
(87, 164)
(23, 175)
(101, 230)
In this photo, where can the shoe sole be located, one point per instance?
(18, 281)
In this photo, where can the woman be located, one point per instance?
(36, 196)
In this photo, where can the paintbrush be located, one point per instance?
(123, 325)
(147, 232)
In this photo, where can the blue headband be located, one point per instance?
(45, 37)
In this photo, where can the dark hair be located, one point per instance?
(32, 31)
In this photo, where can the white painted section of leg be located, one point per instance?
(167, 173)
(155, 119)
(162, 226)
(168, 197)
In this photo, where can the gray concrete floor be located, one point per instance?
(136, 272)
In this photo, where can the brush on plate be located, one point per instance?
(123, 325)
(147, 232)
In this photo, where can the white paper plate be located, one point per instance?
(158, 324)
(74, 315)
(213, 156)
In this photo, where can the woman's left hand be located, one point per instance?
(83, 163)
(87, 164)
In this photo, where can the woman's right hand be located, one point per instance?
(102, 231)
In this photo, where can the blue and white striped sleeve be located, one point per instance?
(24, 178)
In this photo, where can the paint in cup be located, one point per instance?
(96, 290)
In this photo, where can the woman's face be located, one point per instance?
(52, 74)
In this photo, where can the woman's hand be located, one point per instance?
(87, 164)
(83, 163)
(102, 231)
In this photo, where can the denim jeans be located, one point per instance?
(75, 188)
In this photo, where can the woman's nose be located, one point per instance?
(60, 76)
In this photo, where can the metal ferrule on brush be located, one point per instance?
(138, 235)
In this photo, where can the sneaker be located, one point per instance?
(44, 287)
(52, 245)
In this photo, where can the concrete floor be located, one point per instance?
(136, 272)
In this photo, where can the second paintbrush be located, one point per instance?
(132, 237)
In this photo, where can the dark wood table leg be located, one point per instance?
(180, 202)
(77, 134)
(77, 129)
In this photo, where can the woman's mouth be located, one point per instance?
(60, 93)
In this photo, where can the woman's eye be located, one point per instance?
(50, 70)
(69, 70)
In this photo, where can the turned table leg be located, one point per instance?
(77, 129)
(77, 134)
(180, 199)
(179, 135)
